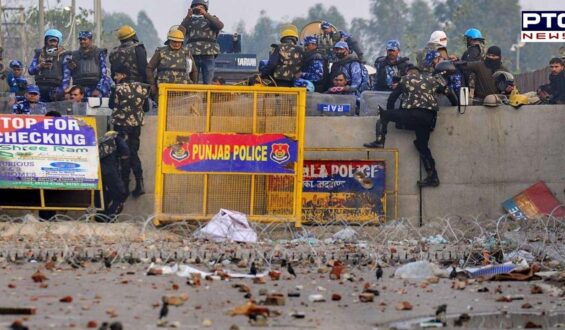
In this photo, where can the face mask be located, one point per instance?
(341, 54)
(492, 64)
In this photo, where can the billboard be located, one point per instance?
(39, 152)
(349, 190)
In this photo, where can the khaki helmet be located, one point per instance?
(125, 32)
(492, 100)
(289, 30)
(111, 134)
(175, 35)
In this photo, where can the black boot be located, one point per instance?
(432, 179)
(381, 136)
(378, 143)
(138, 191)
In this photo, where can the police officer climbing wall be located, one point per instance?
(418, 112)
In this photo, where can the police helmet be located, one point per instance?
(199, 2)
(53, 33)
(492, 100)
(15, 64)
(473, 33)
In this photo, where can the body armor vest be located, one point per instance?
(174, 66)
(125, 54)
(290, 61)
(52, 77)
(87, 71)
(202, 39)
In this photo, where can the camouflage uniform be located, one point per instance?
(285, 61)
(202, 36)
(127, 118)
(173, 66)
(326, 42)
(421, 56)
(53, 81)
(113, 152)
(418, 111)
(133, 55)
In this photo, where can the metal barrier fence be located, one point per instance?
(229, 147)
(366, 211)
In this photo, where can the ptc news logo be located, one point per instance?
(543, 26)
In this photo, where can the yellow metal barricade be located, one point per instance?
(229, 147)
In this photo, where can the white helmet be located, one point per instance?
(436, 38)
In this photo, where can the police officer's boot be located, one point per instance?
(432, 179)
(381, 137)
(139, 190)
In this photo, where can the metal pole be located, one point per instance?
(518, 59)
(23, 35)
(1, 25)
(98, 21)
(41, 25)
(421, 206)
(72, 35)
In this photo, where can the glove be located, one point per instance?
(337, 89)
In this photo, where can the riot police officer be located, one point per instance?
(128, 101)
(131, 54)
(88, 67)
(285, 60)
(16, 80)
(418, 112)
(113, 152)
(50, 67)
(201, 30)
(174, 64)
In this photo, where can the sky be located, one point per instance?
(165, 13)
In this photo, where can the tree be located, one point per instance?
(499, 22)
(319, 13)
(388, 21)
(146, 32)
(265, 33)
(422, 23)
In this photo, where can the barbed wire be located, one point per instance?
(133, 238)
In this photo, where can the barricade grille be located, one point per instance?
(186, 111)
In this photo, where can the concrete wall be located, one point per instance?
(483, 156)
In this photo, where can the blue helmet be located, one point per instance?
(393, 45)
(32, 89)
(473, 33)
(54, 33)
(341, 44)
(312, 39)
(16, 64)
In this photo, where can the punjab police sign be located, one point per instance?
(238, 153)
(48, 152)
(543, 26)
